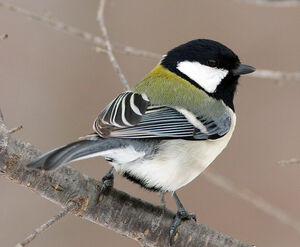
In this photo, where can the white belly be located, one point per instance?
(178, 162)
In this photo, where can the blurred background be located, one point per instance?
(55, 84)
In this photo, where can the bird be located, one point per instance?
(168, 128)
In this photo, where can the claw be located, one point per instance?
(181, 214)
(107, 183)
(185, 215)
(173, 228)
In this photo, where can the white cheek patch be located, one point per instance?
(207, 77)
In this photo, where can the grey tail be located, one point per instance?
(70, 152)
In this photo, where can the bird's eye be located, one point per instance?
(212, 63)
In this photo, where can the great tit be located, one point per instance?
(168, 128)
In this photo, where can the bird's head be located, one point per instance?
(208, 65)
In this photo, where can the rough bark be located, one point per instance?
(129, 216)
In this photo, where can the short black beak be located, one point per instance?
(243, 69)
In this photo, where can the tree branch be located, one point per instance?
(118, 211)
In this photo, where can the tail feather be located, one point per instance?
(38, 162)
(68, 153)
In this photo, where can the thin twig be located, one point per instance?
(100, 18)
(275, 3)
(88, 37)
(275, 75)
(76, 32)
(100, 50)
(48, 224)
(3, 36)
(253, 199)
(289, 162)
(13, 130)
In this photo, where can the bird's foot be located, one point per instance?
(107, 183)
(181, 214)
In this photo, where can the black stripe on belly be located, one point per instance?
(141, 182)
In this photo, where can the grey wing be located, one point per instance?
(158, 121)
(120, 120)
(216, 128)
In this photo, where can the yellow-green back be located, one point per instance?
(164, 87)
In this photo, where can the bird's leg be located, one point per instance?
(181, 214)
(107, 182)
(162, 199)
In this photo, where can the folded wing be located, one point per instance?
(131, 115)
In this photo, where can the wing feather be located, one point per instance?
(130, 115)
